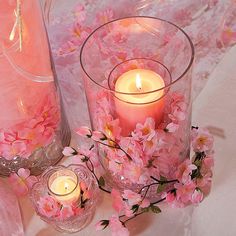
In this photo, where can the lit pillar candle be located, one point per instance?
(134, 99)
(64, 186)
(26, 75)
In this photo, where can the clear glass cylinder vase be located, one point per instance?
(33, 127)
(137, 78)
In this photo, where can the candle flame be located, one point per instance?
(18, 22)
(12, 34)
(138, 82)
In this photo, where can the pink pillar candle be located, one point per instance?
(138, 95)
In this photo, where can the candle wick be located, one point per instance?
(66, 186)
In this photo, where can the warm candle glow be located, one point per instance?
(138, 82)
(65, 188)
(138, 99)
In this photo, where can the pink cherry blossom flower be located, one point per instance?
(170, 197)
(228, 36)
(21, 182)
(48, 207)
(80, 13)
(150, 145)
(205, 182)
(207, 165)
(87, 194)
(132, 171)
(172, 201)
(135, 199)
(91, 154)
(132, 197)
(184, 171)
(66, 212)
(68, 47)
(10, 150)
(197, 196)
(104, 16)
(119, 37)
(177, 114)
(117, 201)
(128, 210)
(117, 229)
(118, 57)
(202, 140)
(111, 127)
(84, 131)
(184, 192)
(146, 130)
(69, 151)
(80, 33)
(172, 127)
(114, 164)
(131, 147)
(177, 108)
(98, 136)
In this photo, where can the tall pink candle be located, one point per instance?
(26, 75)
(136, 101)
(28, 100)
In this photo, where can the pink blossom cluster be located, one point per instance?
(192, 184)
(124, 202)
(177, 112)
(25, 137)
(81, 28)
(128, 203)
(50, 207)
(189, 182)
(153, 150)
(117, 228)
(194, 177)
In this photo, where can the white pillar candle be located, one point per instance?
(64, 187)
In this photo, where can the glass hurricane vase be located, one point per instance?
(33, 128)
(137, 77)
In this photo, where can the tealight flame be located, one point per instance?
(138, 82)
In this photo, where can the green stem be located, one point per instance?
(95, 176)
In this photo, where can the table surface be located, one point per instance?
(215, 107)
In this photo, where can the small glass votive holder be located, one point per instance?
(65, 197)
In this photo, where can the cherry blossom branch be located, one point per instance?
(192, 179)
(95, 176)
(163, 181)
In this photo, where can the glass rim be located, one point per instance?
(138, 93)
(59, 169)
(130, 17)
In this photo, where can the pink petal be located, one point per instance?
(23, 173)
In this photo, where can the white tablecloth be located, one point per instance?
(215, 216)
